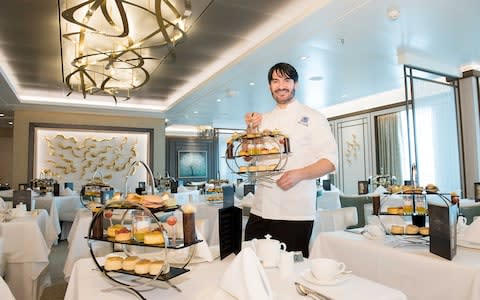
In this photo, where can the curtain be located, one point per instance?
(388, 146)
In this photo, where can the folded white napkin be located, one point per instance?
(248, 200)
(471, 233)
(245, 278)
(380, 190)
(374, 232)
(67, 192)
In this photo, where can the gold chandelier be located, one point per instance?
(110, 47)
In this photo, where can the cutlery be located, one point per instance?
(305, 291)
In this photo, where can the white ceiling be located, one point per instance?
(352, 45)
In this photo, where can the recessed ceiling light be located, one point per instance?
(315, 78)
(219, 100)
(252, 83)
(2, 115)
(304, 57)
(166, 120)
(10, 123)
(195, 112)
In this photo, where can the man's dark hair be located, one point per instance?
(283, 69)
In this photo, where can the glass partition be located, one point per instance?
(434, 130)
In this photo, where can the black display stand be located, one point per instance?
(443, 230)
(230, 230)
(228, 196)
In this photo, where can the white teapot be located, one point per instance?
(268, 250)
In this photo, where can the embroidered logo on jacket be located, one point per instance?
(304, 121)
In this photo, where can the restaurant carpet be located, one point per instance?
(56, 262)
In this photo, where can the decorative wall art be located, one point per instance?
(192, 164)
(77, 155)
(352, 148)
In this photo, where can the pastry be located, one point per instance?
(271, 167)
(123, 234)
(111, 229)
(113, 263)
(243, 169)
(243, 153)
(252, 169)
(153, 238)
(411, 229)
(397, 229)
(142, 266)
(431, 188)
(424, 230)
(274, 151)
(264, 151)
(156, 267)
(129, 263)
(395, 210)
(262, 168)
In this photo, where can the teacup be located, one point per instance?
(325, 269)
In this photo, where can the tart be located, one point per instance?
(111, 229)
(123, 235)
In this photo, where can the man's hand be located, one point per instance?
(253, 119)
(289, 179)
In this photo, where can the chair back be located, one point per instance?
(359, 203)
(470, 212)
(24, 197)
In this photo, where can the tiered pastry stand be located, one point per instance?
(132, 283)
(257, 156)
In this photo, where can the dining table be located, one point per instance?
(62, 210)
(404, 263)
(5, 293)
(202, 282)
(27, 243)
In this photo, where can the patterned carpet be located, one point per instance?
(57, 260)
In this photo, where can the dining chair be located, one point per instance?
(359, 203)
(470, 212)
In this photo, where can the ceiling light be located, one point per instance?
(304, 57)
(2, 115)
(10, 123)
(111, 47)
(195, 112)
(219, 100)
(252, 83)
(393, 13)
(315, 78)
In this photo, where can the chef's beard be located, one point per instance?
(283, 100)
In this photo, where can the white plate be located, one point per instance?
(468, 244)
(308, 276)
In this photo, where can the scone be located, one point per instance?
(243, 169)
(142, 266)
(424, 230)
(129, 263)
(156, 267)
(113, 263)
(397, 229)
(411, 229)
(153, 238)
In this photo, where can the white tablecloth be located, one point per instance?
(183, 197)
(5, 293)
(413, 270)
(48, 204)
(27, 246)
(202, 283)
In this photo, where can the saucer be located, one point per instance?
(308, 276)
